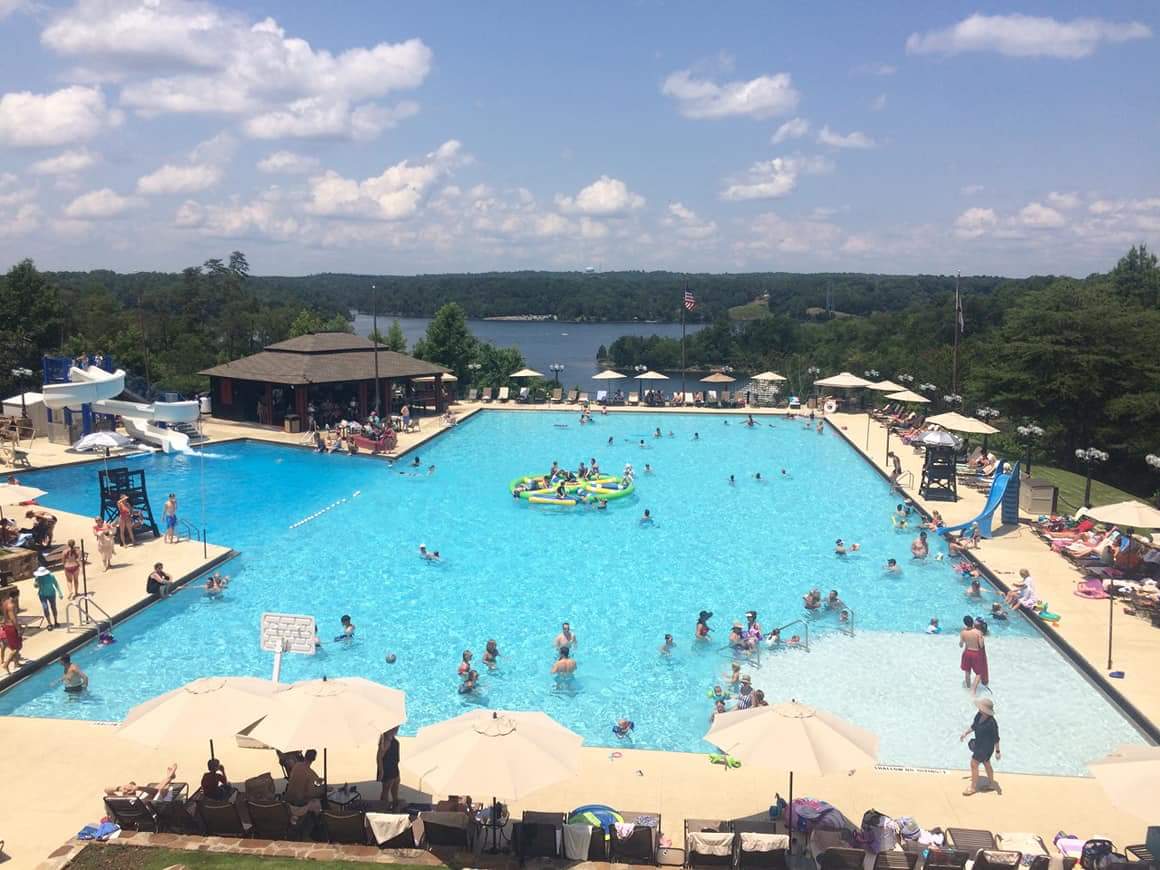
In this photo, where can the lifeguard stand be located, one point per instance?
(116, 482)
(939, 478)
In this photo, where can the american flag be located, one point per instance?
(690, 300)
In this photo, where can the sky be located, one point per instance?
(416, 137)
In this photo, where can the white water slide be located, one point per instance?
(98, 387)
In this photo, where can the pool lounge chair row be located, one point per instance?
(542, 835)
(741, 843)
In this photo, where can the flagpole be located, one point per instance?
(683, 366)
(958, 327)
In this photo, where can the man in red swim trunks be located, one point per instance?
(974, 658)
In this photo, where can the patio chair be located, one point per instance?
(998, 859)
(131, 813)
(485, 396)
(345, 827)
(222, 819)
(945, 859)
(708, 843)
(895, 860)
(557, 395)
(761, 844)
(523, 396)
(287, 760)
(583, 399)
(640, 847)
(504, 394)
(841, 858)
(634, 398)
(269, 819)
(573, 395)
(537, 835)
(971, 840)
(472, 394)
(711, 397)
(602, 397)
(447, 830)
(689, 399)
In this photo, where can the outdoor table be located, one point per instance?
(343, 797)
(495, 823)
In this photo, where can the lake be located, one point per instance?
(542, 343)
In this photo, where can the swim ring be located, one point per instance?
(556, 500)
(1046, 615)
(830, 407)
(605, 486)
(610, 488)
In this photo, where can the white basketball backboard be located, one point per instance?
(288, 632)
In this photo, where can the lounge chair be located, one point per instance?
(761, 844)
(841, 858)
(634, 398)
(269, 819)
(222, 819)
(583, 399)
(896, 860)
(447, 830)
(640, 847)
(504, 394)
(711, 398)
(971, 840)
(472, 394)
(602, 397)
(538, 835)
(485, 396)
(709, 843)
(998, 859)
(688, 399)
(573, 395)
(523, 396)
(131, 813)
(345, 827)
(557, 395)
(945, 859)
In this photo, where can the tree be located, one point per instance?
(306, 323)
(448, 340)
(395, 339)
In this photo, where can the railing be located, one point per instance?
(83, 604)
(193, 533)
(847, 627)
(906, 479)
(805, 641)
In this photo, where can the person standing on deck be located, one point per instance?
(169, 511)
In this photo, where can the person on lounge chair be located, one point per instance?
(215, 785)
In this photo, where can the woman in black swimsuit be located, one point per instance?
(983, 744)
(388, 763)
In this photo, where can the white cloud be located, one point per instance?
(878, 103)
(1018, 35)
(794, 128)
(12, 194)
(103, 203)
(65, 163)
(393, 195)
(971, 189)
(266, 216)
(322, 118)
(763, 97)
(974, 222)
(685, 222)
(1040, 216)
(171, 179)
(854, 139)
(773, 179)
(857, 244)
(771, 233)
(1063, 200)
(876, 69)
(604, 196)
(592, 229)
(287, 163)
(8, 7)
(199, 57)
(72, 114)
(24, 220)
(1117, 206)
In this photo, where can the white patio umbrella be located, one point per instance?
(1129, 777)
(494, 752)
(201, 710)
(12, 494)
(957, 422)
(793, 737)
(526, 373)
(1127, 514)
(767, 376)
(908, 396)
(885, 387)
(608, 375)
(843, 381)
(718, 378)
(938, 438)
(650, 375)
(102, 441)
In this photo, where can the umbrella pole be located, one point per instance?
(211, 753)
(788, 817)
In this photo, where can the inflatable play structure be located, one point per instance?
(1004, 493)
(532, 489)
(89, 391)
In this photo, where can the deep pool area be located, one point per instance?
(513, 572)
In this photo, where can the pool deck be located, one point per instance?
(677, 785)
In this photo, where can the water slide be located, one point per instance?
(98, 388)
(994, 502)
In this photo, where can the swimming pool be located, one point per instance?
(514, 572)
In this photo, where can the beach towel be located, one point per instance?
(102, 832)
(386, 826)
(751, 841)
(709, 843)
(624, 829)
(577, 838)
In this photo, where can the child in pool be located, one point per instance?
(623, 728)
(933, 628)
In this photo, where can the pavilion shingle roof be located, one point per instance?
(325, 357)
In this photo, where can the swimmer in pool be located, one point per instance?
(795, 640)
(470, 683)
(609, 440)
(732, 480)
(429, 555)
(773, 639)
(784, 473)
(646, 519)
(491, 655)
(844, 616)
(602, 504)
(696, 436)
(821, 428)
(839, 548)
(415, 463)
(347, 628)
(702, 630)
(566, 637)
(623, 728)
(833, 602)
(758, 478)
(750, 421)
(726, 422)
(812, 599)
(919, 549)
(564, 665)
(75, 680)
(430, 470)
(720, 694)
(464, 665)
(657, 434)
(934, 627)
(891, 567)
(666, 648)
(900, 516)
(997, 612)
(974, 590)
(733, 678)
(647, 468)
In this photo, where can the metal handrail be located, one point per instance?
(805, 634)
(84, 618)
(848, 626)
(906, 478)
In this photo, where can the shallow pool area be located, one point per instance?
(329, 535)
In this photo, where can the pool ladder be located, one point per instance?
(805, 640)
(847, 628)
(83, 603)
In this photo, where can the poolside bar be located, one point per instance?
(332, 372)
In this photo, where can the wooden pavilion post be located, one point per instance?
(440, 404)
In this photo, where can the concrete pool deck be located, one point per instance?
(677, 785)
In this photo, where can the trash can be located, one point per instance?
(205, 405)
(291, 423)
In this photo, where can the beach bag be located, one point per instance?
(1100, 854)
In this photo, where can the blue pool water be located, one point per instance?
(513, 572)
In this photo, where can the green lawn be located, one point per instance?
(100, 856)
(1071, 488)
(749, 311)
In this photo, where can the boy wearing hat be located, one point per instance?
(48, 591)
